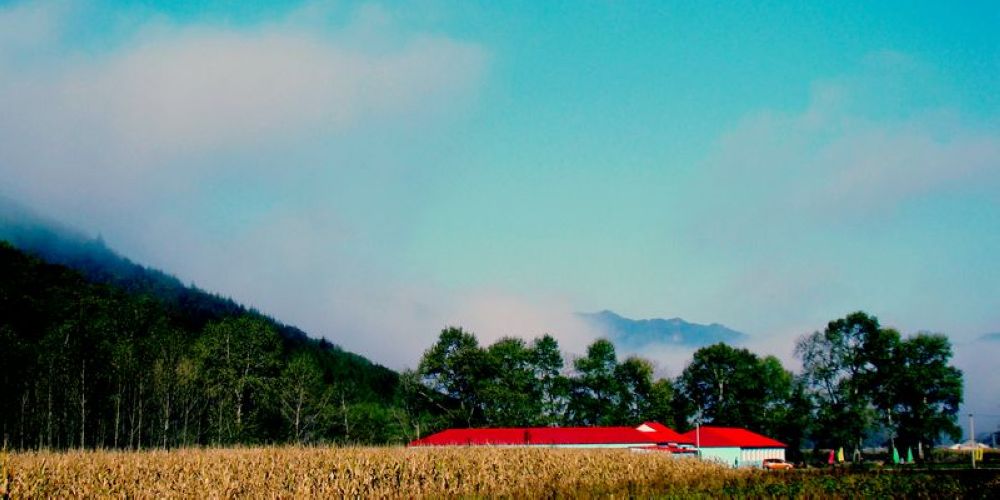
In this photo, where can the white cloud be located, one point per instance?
(137, 135)
(303, 266)
(494, 314)
(103, 124)
(796, 206)
(831, 159)
(27, 26)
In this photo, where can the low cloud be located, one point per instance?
(978, 361)
(232, 154)
(829, 161)
(798, 205)
(153, 112)
(304, 267)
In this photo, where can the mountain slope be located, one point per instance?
(188, 307)
(633, 334)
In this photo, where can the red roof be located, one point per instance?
(713, 437)
(551, 436)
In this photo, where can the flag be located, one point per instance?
(909, 455)
(895, 456)
(840, 455)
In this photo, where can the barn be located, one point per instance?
(734, 446)
(649, 435)
(729, 445)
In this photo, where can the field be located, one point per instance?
(401, 472)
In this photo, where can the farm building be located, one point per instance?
(649, 435)
(729, 445)
(734, 446)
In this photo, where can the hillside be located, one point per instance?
(100, 351)
(634, 334)
(188, 306)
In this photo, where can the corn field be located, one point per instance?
(402, 472)
(337, 472)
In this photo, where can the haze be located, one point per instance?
(374, 172)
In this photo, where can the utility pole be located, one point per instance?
(697, 433)
(972, 439)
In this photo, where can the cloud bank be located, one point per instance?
(143, 115)
(810, 210)
(159, 137)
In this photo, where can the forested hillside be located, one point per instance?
(56, 244)
(133, 359)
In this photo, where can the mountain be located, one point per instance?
(991, 337)
(101, 351)
(636, 333)
(55, 243)
(58, 244)
(192, 307)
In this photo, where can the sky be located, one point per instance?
(373, 172)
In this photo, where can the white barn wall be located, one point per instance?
(754, 457)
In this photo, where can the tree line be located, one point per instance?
(860, 384)
(95, 364)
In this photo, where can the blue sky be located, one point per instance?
(374, 172)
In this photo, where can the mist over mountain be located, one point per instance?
(637, 333)
(187, 305)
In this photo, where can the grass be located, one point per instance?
(446, 472)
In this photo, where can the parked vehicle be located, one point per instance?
(776, 464)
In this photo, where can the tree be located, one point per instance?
(454, 367)
(595, 388)
(724, 384)
(925, 392)
(842, 367)
(727, 386)
(169, 349)
(552, 385)
(418, 409)
(864, 378)
(661, 398)
(513, 397)
(634, 382)
(240, 356)
(302, 396)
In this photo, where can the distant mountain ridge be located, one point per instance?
(636, 333)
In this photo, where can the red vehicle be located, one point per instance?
(776, 464)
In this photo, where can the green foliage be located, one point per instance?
(509, 384)
(925, 391)
(85, 364)
(512, 392)
(634, 382)
(839, 364)
(455, 367)
(595, 387)
(552, 386)
(128, 358)
(728, 386)
(864, 378)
